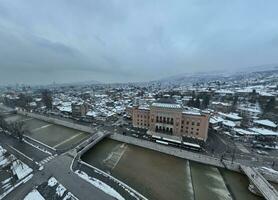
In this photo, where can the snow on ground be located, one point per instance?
(69, 196)
(37, 147)
(269, 170)
(34, 195)
(3, 161)
(14, 167)
(20, 169)
(15, 186)
(2, 151)
(6, 181)
(52, 182)
(60, 190)
(100, 185)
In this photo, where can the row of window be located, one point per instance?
(163, 129)
(165, 120)
(192, 123)
(145, 116)
(191, 132)
(188, 128)
(142, 124)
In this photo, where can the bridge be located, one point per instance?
(262, 186)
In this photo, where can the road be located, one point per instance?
(60, 169)
(28, 150)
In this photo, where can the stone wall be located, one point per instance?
(197, 157)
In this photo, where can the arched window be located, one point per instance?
(172, 121)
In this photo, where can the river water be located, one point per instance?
(160, 176)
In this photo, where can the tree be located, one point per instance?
(270, 105)
(191, 102)
(47, 99)
(206, 100)
(24, 101)
(16, 129)
(234, 104)
(245, 121)
(3, 123)
(197, 103)
(193, 94)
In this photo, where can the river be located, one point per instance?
(160, 176)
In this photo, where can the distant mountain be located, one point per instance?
(190, 78)
(80, 83)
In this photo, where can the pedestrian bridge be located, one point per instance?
(261, 184)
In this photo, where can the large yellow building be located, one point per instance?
(171, 119)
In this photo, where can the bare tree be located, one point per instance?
(3, 123)
(47, 99)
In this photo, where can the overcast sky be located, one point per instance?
(132, 40)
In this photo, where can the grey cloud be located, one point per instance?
(114, 41)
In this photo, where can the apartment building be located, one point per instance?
(79, 109)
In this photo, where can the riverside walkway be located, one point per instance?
(263, 186)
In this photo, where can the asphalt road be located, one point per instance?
(60, 169)
(28, 150)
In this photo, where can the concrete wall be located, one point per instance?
(58, 122)
(177, 152)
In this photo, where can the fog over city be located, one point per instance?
(121, 41)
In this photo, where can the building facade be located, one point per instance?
(79, 109)
(171, 119)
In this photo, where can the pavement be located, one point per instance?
(57, 166)
(60, 169)
(28, 150)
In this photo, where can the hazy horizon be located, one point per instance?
(131, 41)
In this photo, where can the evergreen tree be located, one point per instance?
(191, 102)
(197, 103)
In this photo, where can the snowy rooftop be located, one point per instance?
(91, 113)
(167, 105)
(221, 103)
(191, 112)
(265, 122)
(253, 110)
(65, 108)
(215, 119)
(224, 92)
(34, 195)
(229, 123)
(266, 94)
(263, 131)
(245, 90)
(144, 107)
(232, 116)
(244, 132)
